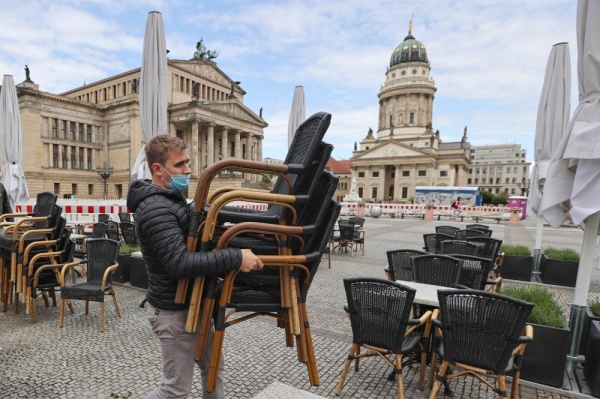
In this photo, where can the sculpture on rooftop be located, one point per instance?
(202, 53)
(27, 77)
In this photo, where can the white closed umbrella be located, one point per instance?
(574, 171)
(297, 113)
(153, 89)
(551, 124)
(13, 177)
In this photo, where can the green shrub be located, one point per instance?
(595, 308)
(500, 199)
(128, 249)
(546, 311)
(515, 250)
(561, 254)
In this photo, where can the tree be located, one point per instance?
(500, 199)
(487, 197)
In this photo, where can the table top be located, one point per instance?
(426, 293)
(74, 236)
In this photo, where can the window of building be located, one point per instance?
(484, 170)
(81, 132)
(65, 160)
(412, 117)
(80, 158)
(508, 169)
(512, 190)
(361, 174)
(404, 192)
(56, 188)
(497, 190)
(361, 192)
(443, 173)
(405, 173)
(393, 174)
(477, 170)
(507, 180)
(499, 169)
(375, 174)
(374, 192)
(220, 146)
(74, 189)
(514, 169)
(497, 180)
(470, 171)
(403, 73)
(72, 131)
(63, 129)
(54, 128)
(476, 181)
(55, 155)
(232, 152)
(89, 133)
(469, 181)
(89, 159)
(514, 179)
(73, 158)
(119, 190)
(414, 71)
(244, 151)
(179, 134)
(422, 173)
(90, 189)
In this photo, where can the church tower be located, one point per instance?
(406, 97)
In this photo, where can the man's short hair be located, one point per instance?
(157, 149)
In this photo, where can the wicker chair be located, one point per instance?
(450, 247)
(346, 237)
(474, 271)
(489, 248)
(267, 301)
(379, 313)
(442, 270)
(112, 230)
(103, 217)
(129, 233)
(124, 217)
(477, 226)
(100, 265)
(481, 334)
(399, 266)
(433, 242)
(450, 230)
(469, 233)
(98, 231)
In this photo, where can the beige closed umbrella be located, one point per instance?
(297, 113)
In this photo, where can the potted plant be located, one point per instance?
(546, 355)
(591, 367)
(124, 259)
(559, 266)
(518, 262)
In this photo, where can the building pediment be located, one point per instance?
(235, 109)
(206, 69)
(390, 150)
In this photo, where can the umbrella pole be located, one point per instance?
(537, 249)
(582, 288)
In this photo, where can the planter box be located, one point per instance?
(588, 317)
(559, 272)
(517, 267)
(591, 367)
(137, 271)
(546, 356)
(122, 273)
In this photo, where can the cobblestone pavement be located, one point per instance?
(77, 361)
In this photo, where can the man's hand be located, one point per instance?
(250, 261)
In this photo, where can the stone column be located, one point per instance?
(397, 188)
(195, 155)
(238, 144)
(202, 147)
(224, 143)
(210, 150)
(383, 193)
(172, 130)
(259, 140)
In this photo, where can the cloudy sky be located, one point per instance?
(487, 57)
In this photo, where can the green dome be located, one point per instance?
(410, 50)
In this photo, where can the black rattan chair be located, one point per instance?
(433, 242)
(103, 217)
(481, 333)
(101, 263)
(129, 233)
(399, 265)
(345, 239)
(469, 233)
(474, 271)
(112, 230)
(477, 226)
(442, 270)
(450, 247)
(379, 313)
(98, 231)
(124, 217)
(488, 247)
(450, 230)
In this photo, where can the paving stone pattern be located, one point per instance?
(44, 361)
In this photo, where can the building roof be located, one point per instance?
(339, 167)
(410, 50)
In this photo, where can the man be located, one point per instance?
(455, 208)
(5, 202)
(162, 216)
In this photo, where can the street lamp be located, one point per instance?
(105, 171)
(524, 186)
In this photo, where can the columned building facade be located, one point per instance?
(66, 136)
(406, 152)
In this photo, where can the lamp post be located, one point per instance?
(105, 171)
(524, 186)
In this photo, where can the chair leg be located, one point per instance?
(313, 372)
(354, 349)
(514, 390)
(33, 301)
(101, 316)
(399, 379)
(87, 307)
(114, 297)
(61, 312)
(502, 386)
(45, 297)
(438, 383)
(53, 296)
(215, 359)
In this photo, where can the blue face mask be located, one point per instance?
(178, 182)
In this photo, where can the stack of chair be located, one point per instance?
(290, 236)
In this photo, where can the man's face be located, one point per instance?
(177, 164)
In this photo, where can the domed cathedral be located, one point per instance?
(406, 152)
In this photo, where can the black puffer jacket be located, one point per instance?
(162, 218)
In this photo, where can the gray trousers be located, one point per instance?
(177, 350)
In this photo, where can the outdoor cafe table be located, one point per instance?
(426, 293)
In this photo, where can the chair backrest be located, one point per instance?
(489, 247)
(399, 263)
(474, 271)
(129, 233)
(358, 221)
(433, 242)
(477, 226)
(101, 253)
(450, 230)
(468, 233)
(103, 217)
(442, 270)
(450, 247)
(112, 230)
(346, 228)
(379, 310)
(99, 230)
(44, 206)
(124, 217)
(481, 328)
